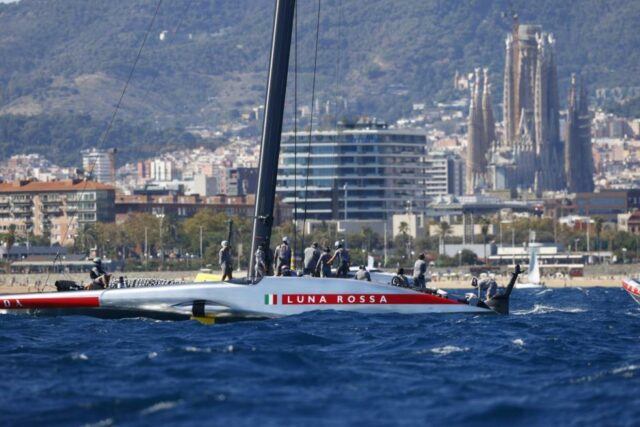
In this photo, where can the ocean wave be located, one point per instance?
(626, 371)
(546, 309)
(448, 349)
(102, 423)
(160, 406)
(79, 356)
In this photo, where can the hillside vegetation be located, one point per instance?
(74, 55)
(60, 137)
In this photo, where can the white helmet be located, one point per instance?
(483, 275)
(492, 276)
(337, 244)
(285, 239)
(224, 243)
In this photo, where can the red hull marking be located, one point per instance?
(47, 302)
(346, 299)
(630, 288)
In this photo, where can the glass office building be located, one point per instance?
(382, 169)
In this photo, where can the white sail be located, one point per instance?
(534, 267)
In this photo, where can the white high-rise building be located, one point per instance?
(100, 164)
(379, 170)
(444, 174)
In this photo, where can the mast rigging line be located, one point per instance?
(112, 120)
(313, 94)
(295, 135)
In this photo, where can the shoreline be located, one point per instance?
(29, 283)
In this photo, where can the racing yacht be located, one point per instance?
(632, 286)
(534, 277)
(258, 297)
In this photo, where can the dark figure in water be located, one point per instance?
(226, 263)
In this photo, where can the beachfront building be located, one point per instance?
(378, 170)
(57, 209)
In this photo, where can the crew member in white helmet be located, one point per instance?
(282, 256)
(487, 283)
(342, 258)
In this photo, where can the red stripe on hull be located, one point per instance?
(631, 288)
(48, 302)
(347, 299)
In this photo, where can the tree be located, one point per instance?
(444, 230)
(599, 225)
(10, 239)
(468, 257)
(403, 228)
(484, 230)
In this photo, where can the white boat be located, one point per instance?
(255, 297)
(632, 286)
(534, 277)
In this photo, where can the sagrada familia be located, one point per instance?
(530, 154)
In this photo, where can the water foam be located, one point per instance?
(448, 349)
(160, 406)
(546, 309)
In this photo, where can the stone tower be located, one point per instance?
(578, 157)
(531, 150)
(474, 169)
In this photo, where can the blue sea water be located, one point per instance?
(564, 356)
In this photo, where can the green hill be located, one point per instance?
(72, 56)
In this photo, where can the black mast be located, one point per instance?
(272, 126)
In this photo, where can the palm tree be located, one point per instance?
(444, 231)
(403, 228)
(484, 230)
(599, 226)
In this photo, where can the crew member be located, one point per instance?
(268, 259)
(323, 268)
(341, 256)
(224, 258)
(282, 255)
(419, 272)
(99, 277)
(261, 261)
(488, 284)
(363, 274)
(400, 279)
(311, 257)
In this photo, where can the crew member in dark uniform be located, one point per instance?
(99, 277)
(311, 257)
(225, 260)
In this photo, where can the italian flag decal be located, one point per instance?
(270, 299)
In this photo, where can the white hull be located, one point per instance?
(271, 297)
(632, 286)
(529, 286)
